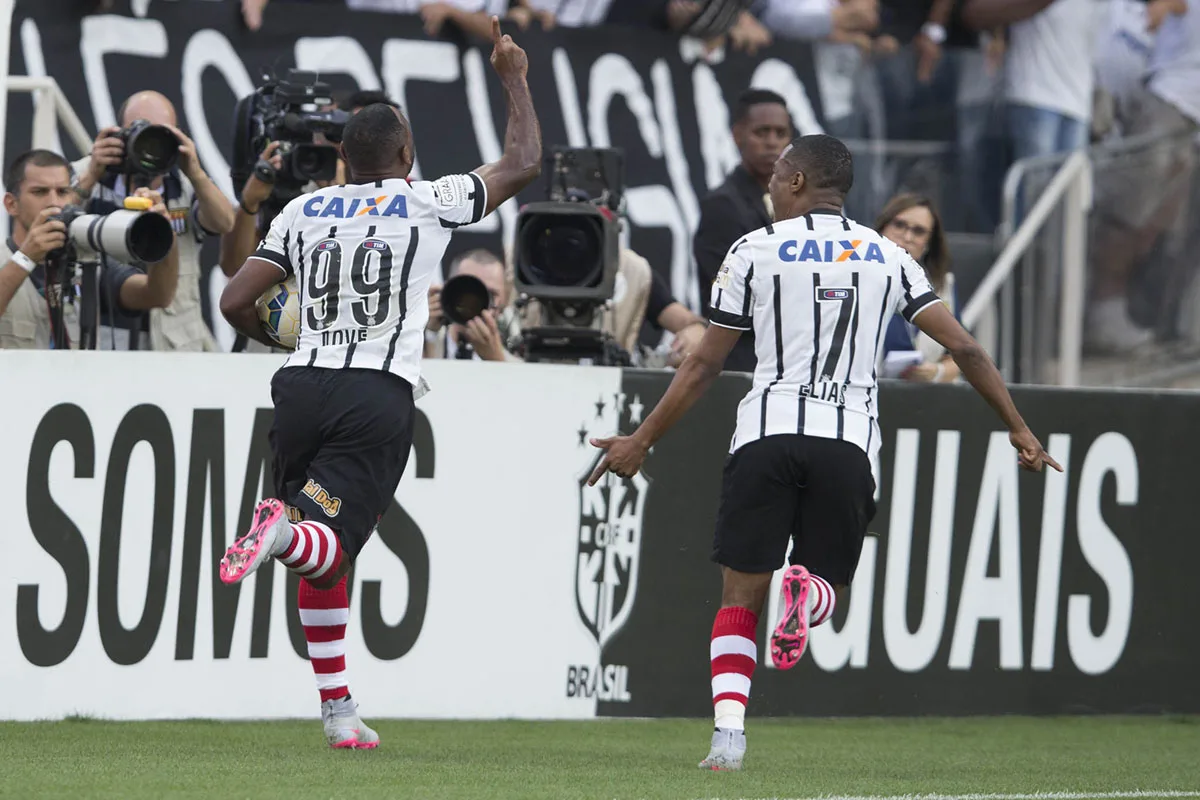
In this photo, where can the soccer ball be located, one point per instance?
(279, 312)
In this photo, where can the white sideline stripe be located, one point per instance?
(732, 646)
(1034, 796)
(324, 617)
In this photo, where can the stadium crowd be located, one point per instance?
(998, 79)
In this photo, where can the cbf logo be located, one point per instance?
(608, 549)
(337, 207)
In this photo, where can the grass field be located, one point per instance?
(603, 759)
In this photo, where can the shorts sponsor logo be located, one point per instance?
(330, 505)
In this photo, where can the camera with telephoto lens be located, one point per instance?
(291, 111)
(566, 256)
(150, 151)
(125, 235)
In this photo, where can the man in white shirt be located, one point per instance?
(1050, 79)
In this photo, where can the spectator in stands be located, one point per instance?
(1122, 51)
(1150, 202)
(435, 13)
(908, 51)
(841, 32)
(37, 303)
(477, 22)
(1049, 69)
(912, 222)
(850, 21)
(708, 20)
(197, 207)
(762, 128)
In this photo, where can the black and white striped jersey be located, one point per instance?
(818, 291)
(364, 256)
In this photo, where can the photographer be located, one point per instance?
(195, 206)
(487, 336)
(250, 225)
(39, 293)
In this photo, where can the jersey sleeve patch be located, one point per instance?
(451, 191)
(724, 276)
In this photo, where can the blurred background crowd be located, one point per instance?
(960, 114)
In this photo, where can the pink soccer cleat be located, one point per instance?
(791, 632)
(266, 534)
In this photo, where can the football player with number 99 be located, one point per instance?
(362, 256)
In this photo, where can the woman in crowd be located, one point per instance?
(911, 221)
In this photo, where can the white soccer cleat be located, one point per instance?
(343, 728)
(728, 750)
(268, 535)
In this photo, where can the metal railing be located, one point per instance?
(51, 109)
(1072, 187)
(1131, 243)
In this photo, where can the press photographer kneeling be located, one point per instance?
(64, 270)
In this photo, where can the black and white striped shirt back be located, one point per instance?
(818, 291)
(364, 256)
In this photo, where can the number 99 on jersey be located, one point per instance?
(279, 312)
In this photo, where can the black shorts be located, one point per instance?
(341, 439)
(817, 492)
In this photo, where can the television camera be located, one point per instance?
(566, 253)
(293, 111)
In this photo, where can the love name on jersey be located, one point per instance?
(829, 251)
(337, 207)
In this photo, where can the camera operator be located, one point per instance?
(252, 220)
(487, 336)
(39, 294)
(664, 312)
(195, 206)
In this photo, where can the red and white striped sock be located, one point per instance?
(313, 551)
(734, 655)
(821, 601)
(324, 614)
